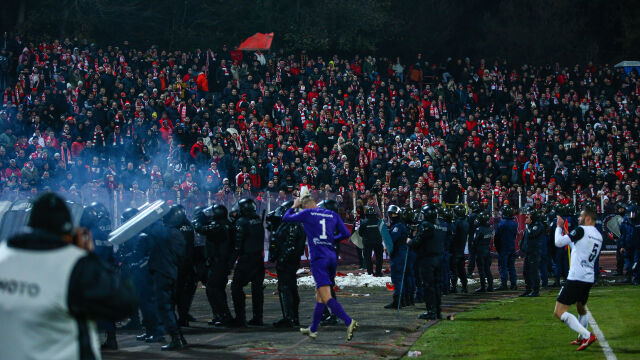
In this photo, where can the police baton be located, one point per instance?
(404, 270)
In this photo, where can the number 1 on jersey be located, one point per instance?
(323, 222)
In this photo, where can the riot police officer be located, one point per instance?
(630, 243)
(461, 228)
(285, 249)
(482, 245)
(548, 244)
(127, 257)
(199, 255)
(166, 257)
(214, 224)
(448, 216)
(249, 246)
(97, 219)
(398, 232)
(409, 288)
(187, 281)
(372, 241)
(136, 259)
(428, 244)
(505, 243)
(531, 245)
(476, 209)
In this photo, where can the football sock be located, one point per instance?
(574, 324)
(317, 316)
(336, 308)
(584, 320)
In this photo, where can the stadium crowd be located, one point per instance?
(210, 126)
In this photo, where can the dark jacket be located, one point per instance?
(506, 233)
(398, 232)
(370, 232)
(167, 251)
(219, 244)
(461, 227)
(287, 243)
(531, 242)
(249, 235)
(482, 240)
(430, 239)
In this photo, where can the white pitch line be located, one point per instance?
(606, 349)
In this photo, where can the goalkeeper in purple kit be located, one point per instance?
(323, 228)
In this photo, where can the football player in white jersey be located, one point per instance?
(585, 242)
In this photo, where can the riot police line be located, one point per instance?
(426, 249)
(428, 246)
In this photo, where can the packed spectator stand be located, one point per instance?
(125, 126)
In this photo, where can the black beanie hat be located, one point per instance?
(51, 214)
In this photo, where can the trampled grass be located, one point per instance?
(525, 328)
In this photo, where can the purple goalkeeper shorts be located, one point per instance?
(324, 271)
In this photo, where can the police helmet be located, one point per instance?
(460, 211)
(92, 214)
(128, 214)
(561, 210)
(247, 206)
(175, 216)
(448, 214)
(280, 210)
(474, 206)
(429, 213)
(536, 214)
(394, 209)
(235, 212)
(219, 212)
(201, 216)
(507, 212)
(483, 218)
(329, 205)
(51, 214)
(621, 209)
(370, 211)
(417, 216)
(407, 215)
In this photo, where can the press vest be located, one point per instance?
(34, 311)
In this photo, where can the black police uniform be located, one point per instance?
(249, 245)
(218, 231)
(482, 245)
(97, 219)
(372, 241)
(144, 285)
(166, 257)
(429, 245)
(461, 227)
(134, 255)
(471, 219)
(532, 245)
(286, 249)
(187, 281)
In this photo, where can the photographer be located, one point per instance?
(51, 292)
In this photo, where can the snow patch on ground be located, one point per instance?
(349, 280)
